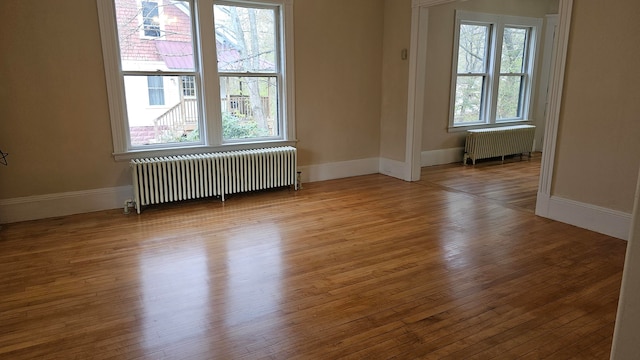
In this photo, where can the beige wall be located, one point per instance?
(53, 108)
(599, 134)
(395, 79)
(338, 50)
(440, 41)
(54, 118)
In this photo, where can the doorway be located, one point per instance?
(422, 44)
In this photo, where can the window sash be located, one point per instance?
(471, 107)
(520, 98)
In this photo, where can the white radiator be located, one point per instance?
(174, 178)
(499, 141)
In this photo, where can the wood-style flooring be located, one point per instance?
(512, 184)
(368, 267)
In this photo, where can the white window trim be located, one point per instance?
(498, 23)
(212, 134)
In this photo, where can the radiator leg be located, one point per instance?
(503, 159)
(464, 160)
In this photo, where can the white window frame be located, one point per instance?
(497, 24)
(207, 84)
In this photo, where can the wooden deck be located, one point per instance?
(366, 267)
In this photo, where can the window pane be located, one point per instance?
(155, 85)
(245, 39)
(514, 45)
(155, 35)
(509, 98)
(468, 103)
(150, 18)
(249, 107)
(173, 120)
(472, 48)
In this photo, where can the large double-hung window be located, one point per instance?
(194, 75)
(494, 61)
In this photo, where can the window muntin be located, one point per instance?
(494, 57)
(177, 55)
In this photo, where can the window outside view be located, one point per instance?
(472, 76)
(247, 67)
(475, 91)
(162, 80)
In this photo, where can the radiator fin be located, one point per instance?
(175, 178)
(499, 141)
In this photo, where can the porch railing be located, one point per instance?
(178, 120)
(182, 118)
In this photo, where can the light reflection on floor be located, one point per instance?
(254, 286)
(175, 293)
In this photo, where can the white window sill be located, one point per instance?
(198, 149)
(463, 128)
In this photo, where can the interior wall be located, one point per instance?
(395, 79)
(54, 117)
(53, 101)
(597, 151)
(435, 135)
(338, 54)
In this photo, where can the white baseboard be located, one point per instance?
(338, 170)
(595, 218)
(62, 204)
(442, 156)
(77, 202)
(393, 168)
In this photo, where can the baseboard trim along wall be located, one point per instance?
(393, 168)
(62, 204)
(339, 170)
(591, 217)
(442, 156)
(77, 202)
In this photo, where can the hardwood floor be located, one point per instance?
(365, 267)
(514, 183)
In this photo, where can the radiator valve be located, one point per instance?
(128, 204)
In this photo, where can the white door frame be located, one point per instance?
(542, 92)
(416, 95)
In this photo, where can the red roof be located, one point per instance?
(177, 55)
